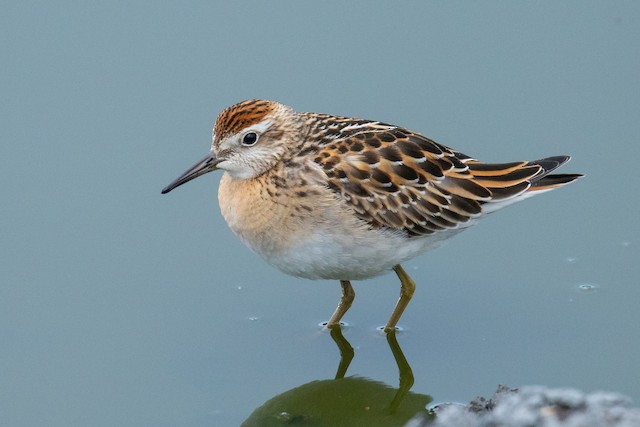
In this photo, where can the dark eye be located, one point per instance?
(250, 138)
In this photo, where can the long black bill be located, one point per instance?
(206, 164)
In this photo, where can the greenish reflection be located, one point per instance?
(346, 350)
(346, 401)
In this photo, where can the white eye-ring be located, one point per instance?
(249, 139)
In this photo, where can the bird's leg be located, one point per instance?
(345, 302)
(407, 288)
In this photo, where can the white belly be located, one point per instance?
(349, 256)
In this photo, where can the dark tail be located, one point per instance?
(544, 181)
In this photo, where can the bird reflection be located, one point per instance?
(347, 401)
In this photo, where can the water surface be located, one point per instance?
(119, 306)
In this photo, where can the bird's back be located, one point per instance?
(397, 179)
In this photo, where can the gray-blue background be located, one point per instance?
(119, 306)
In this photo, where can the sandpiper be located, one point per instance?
(329, 197)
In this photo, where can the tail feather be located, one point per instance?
(544, 181)
(550, 182)
(512, 182)
(548, 164)
(491, 169)
(503, 180)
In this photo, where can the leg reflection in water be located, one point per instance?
(346, 356)
(347, 401)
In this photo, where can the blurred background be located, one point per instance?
(119, 306)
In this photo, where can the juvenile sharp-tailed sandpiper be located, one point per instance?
(330, 197)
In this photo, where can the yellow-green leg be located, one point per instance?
(345, 302)
(407, 288)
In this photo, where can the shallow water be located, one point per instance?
(119, 306)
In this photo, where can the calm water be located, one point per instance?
(119, 306)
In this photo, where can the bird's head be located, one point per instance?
(249, 138)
